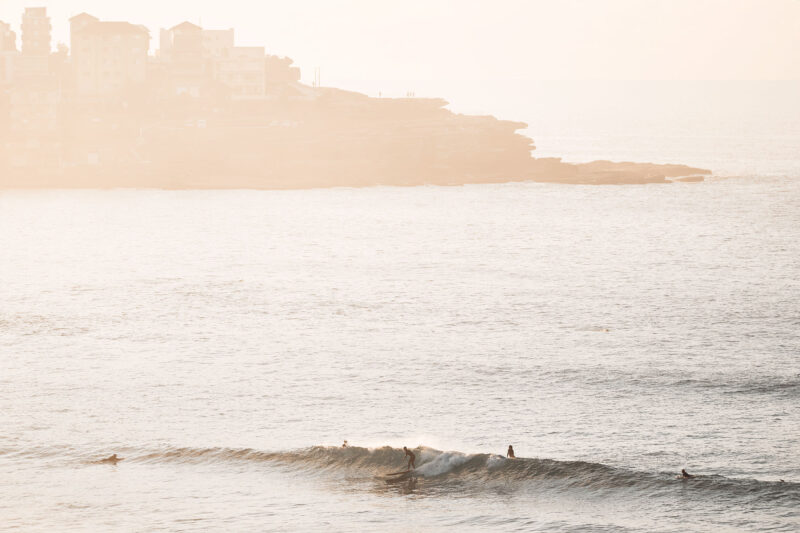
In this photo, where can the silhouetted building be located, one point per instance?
(183, 55)
(107, 57)
(77, 23)
(216, 42)
(36, 31)
(7, 62)
(241, 69)
(8, 39)
(34, 61)
(8, 53)
(194, 59)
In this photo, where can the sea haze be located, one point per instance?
(226, 342)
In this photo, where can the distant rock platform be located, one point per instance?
(298, 138)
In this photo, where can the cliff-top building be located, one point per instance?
(241, 69)
(8, 39)
(8, 53)
(107, 57)
(194, 58)
(182, 53)
(34, 60)
(216, 42)
(36, 32)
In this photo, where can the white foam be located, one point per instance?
(437, 464)
(495, 461)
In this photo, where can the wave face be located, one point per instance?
(439, 471)
(640, 329)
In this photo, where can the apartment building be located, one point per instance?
(241, 68)
(107, 57)
(36, 37)
(8, 53)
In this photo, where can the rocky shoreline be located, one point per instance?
(301, 138)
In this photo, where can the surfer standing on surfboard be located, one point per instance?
(111, 460)
(510, 452)
(411, 458)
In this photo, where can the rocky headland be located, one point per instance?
(300, 137)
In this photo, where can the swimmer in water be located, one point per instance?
(113, 459)
(685, 474)
(510, 452)
(411, 458)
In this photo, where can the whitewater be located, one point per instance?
(225, 343)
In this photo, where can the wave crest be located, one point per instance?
(484, 471)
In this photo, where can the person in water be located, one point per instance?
(510, 452)
(685, 474)
(411, 458)
(113, 459)
(344, 444)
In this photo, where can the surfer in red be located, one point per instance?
(411, 458)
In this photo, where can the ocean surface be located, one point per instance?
(225, 343)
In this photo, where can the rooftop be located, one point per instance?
(113, 28)
(186, 26)
(82, 16)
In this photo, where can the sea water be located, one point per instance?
(225, 343)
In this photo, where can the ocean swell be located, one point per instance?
(484, 471)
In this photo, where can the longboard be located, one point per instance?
(396, 477)
(399, 473)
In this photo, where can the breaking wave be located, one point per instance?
(440, 469)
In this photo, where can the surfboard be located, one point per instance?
(396, 477)
(399, 473)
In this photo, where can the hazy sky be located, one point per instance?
(487, 39)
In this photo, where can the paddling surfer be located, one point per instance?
(685, 474)
(411, 458)
(112, 459)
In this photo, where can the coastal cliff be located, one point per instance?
(302, 137)
(203, 112)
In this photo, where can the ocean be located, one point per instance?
(225, 343)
